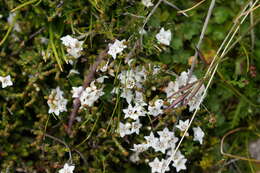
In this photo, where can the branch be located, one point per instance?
(211, 7)
(88, 79)
(175, 7)
(231, 155)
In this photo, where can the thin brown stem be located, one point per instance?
(88, 79)
(211, 7)
(231, 155)
(183, 89)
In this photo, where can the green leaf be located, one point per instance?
(177, 43)
(221, 14)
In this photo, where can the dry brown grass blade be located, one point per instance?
(231, 155)
(196, 5)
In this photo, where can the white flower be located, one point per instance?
(172, 142)
(164, 37)
(195, 100)
(142, 31)
(133, 77)
(139, 74)
(134, 112)
(135, 157)
(171, 88)
(67, 169)
(179, 164)
(74, 47)
(151, 140)
(6, 81)
(168, 137)
(177, 155)
(183, 125)
(161, 146)
(116, 48)
(147, 3)
(198, 134)
(78, 118)
(139, 99)
(140, 148)
(56, 102)
(90, 95)
(156, 165)
(127, 94)
(124, 129)
(76, 91)
(158, 103)
(127, 79)
(152, 110)
(156, 69)
(165, 134)
(136, 125)
(165, 167)
(11, 21)
(115, 90)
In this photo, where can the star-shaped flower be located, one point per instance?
(67, 169)
(183, 125)
(140, 148)
(156, 165)
(164, 37)
(116, 48)
(151, 140)
(179, 164)
(6, 81)
(124, 129)
(198, 134)
(76, 91)
(74, 46)
(165, 134)
(136, 125)
(56, 102)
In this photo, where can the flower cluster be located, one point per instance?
(56, 102)
(88, 96)
(74, 47)
(131, 87)
(164, 141)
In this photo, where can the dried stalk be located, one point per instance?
(88, 79)
(194, 59)
(196, 5)
(231, 155)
